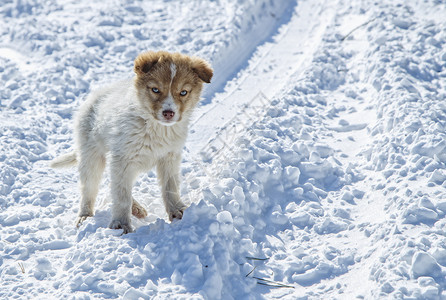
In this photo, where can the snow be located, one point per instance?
(315, 165)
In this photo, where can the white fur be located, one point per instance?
(173, 72)
(111, 121)
(168, 104)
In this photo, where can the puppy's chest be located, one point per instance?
(157, 143)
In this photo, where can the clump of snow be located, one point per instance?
(424, 264)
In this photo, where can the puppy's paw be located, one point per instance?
(138, 211)
(80, 220)
(176, 213)
(116, 224)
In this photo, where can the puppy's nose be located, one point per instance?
(168, 114)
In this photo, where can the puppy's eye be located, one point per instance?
(155, 90)
(183, 93)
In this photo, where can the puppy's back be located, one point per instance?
(101, 103)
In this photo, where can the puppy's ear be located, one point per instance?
(145, 62)
(202, 69)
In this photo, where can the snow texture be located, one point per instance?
(315, 166)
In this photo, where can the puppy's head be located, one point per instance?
(169, 85)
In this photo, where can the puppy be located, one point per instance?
(137, 124)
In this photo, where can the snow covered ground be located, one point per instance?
(315, 166)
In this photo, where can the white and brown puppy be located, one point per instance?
(137, 124)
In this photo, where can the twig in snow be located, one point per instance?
(255, 258)
(251, 271)
(263, 281)
(271, 283)
(356, 28)
(22, 267)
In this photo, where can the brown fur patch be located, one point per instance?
(202, 68)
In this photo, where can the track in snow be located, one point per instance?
(288, 52)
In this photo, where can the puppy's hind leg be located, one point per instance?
(91, 166)
(138, 210)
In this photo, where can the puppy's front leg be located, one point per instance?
(168, 169)
(122, 177)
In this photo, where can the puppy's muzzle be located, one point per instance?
(168, 114)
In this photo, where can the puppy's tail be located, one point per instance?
(64, 161)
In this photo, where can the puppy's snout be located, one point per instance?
(168, 114)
